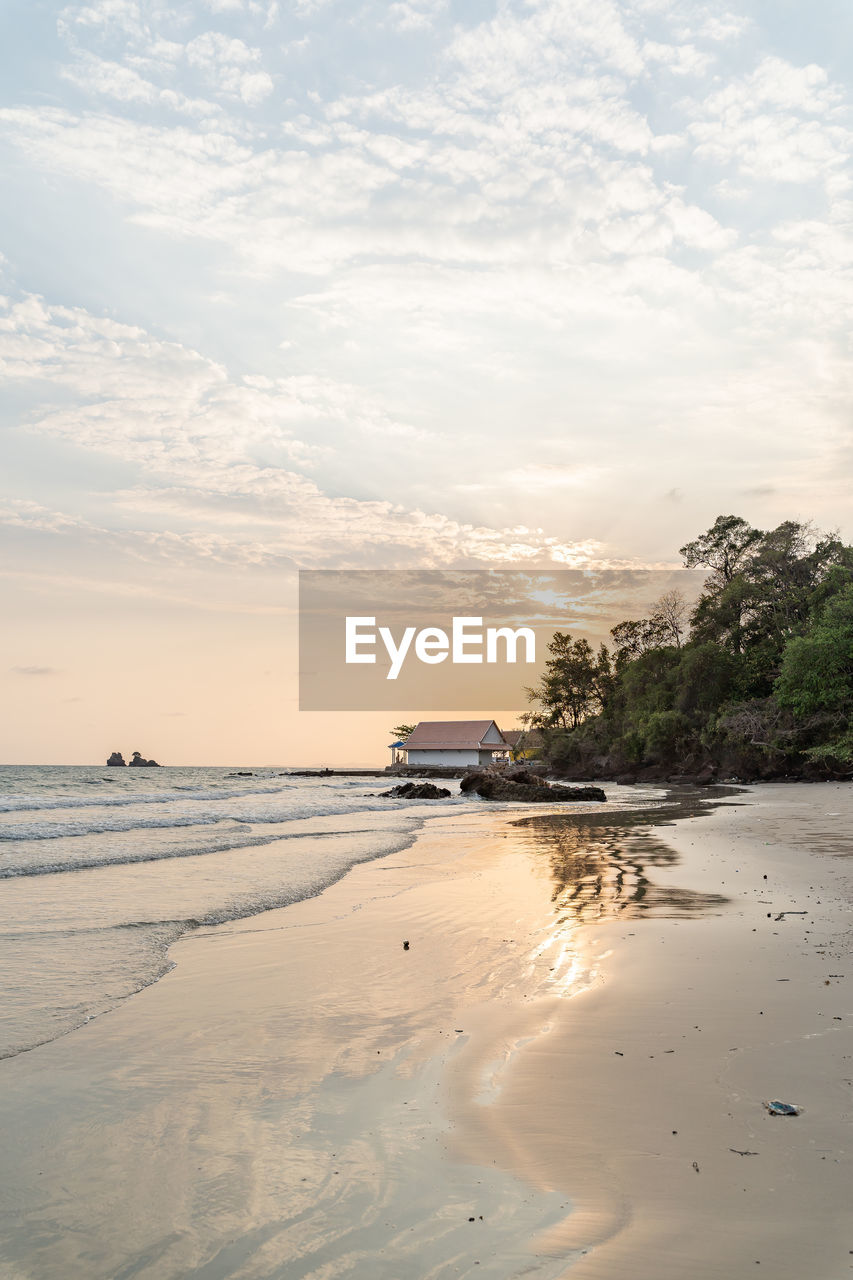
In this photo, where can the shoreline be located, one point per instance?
(268, 1030)
(133, 886)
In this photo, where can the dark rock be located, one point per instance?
(705, 777)
(417, 791)
(516, 776)
(528, 789)
(139, 762)
(574, 793)
(117, 759)
(520, 773)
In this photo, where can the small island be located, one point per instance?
(137, 761)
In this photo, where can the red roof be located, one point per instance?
(532, 737)
(453, 735)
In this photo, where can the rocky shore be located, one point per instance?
(700, 774)
(524, 786)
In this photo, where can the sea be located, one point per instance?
(103, 869)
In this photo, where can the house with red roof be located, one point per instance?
(470, 743)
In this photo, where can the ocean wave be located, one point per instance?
(25, 832)
(238, 839)
(113, 960)
(38, 804)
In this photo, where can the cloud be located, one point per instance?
(527, 146)
(35, 671)
(781, 123)
(137, 55)
(230, 65)
(543, 196)
(114, 17)
(576, 225)
(415, 15)
(99, 77)
(269, 10)
(531, 45)
(723, 27)
(533, 478)
(197, 436)
(681, 60)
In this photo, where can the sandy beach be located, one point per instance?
(563, 1074)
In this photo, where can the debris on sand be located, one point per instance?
(777, 1108)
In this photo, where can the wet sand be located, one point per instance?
(651, 1084)
(302, 1097)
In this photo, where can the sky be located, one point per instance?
(404, 285)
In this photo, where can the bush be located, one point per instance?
(666, 734)
(817, 667)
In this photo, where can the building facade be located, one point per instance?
(468, 743)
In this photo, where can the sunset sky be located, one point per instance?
(403, 285)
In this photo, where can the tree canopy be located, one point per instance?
(758, 680)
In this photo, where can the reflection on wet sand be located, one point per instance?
(601, 865)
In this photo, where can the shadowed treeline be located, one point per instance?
(755, 680)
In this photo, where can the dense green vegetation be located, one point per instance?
(757, 681)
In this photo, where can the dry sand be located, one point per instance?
(573, 1052)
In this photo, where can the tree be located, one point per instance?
(668, 619)
(705, 679)
(575, 683)
(632, 639)
(754, 601)
(723, 549)
(789, 566)
(762, 680)
(401, 732)
(817, 667)
(526, 720)
(666, 625)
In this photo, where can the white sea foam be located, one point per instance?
(98, 883)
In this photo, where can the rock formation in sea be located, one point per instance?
(525, 786)
(417, 791)
(116, 759)
(139, 762)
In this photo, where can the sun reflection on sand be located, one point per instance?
(594, 869)
(604, 874)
